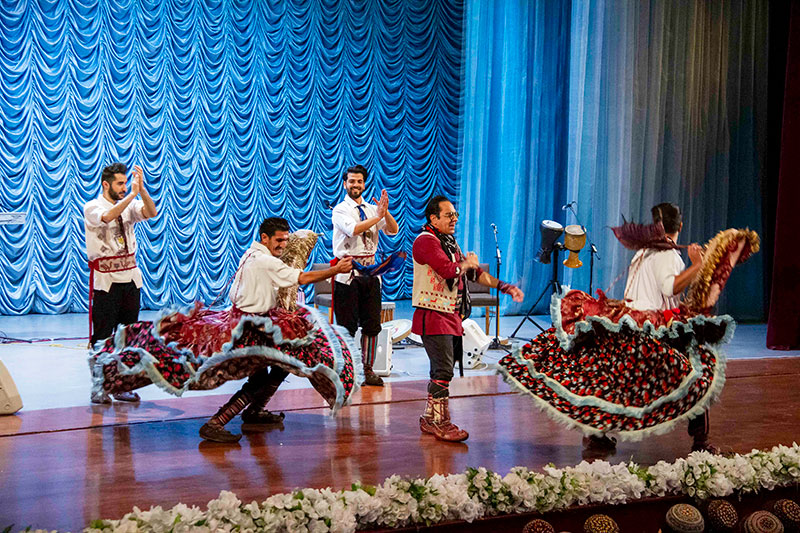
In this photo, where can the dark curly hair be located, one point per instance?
(357, 169)
(110, 172)
(272, 225)
(434, 207)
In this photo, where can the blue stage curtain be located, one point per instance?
(663, 105)
(514, 136)
(236, 110)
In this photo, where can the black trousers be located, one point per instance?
(699, 426)
(272, 376)
(442, 351)
(358, 304)
(120, 305)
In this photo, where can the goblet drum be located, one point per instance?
(574, 241)
(551, 231)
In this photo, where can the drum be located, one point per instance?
(387, 311)
(551, 231)
(398, 329)
(476, 342)
(574, 241)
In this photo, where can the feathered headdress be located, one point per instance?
(637, 236)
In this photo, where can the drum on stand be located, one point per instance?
(398, 329)
(574, 241)
(550, 231)
(387, 311)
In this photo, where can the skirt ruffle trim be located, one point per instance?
(148, 363)
(709, 398)
(674, 330)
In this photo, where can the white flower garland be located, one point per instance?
(474, 494)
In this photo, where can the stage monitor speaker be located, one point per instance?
(383, 358)
(475, 344)
(10, 402)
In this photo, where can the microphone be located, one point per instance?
(328, 205)
(567, 206)
(496, 247)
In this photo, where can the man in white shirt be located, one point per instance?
(357, 299)
(254, 290)
(114, 278)
(656, 279)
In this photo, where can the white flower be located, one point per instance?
(474, 494)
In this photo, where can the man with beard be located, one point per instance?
(254, 291)
(114, 278)
(441, 303)
(357, 298)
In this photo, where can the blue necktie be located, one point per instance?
(363, 216)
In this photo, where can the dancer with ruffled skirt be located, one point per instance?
(637, 367)
(201, 348)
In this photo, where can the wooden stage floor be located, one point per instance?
(62, 468)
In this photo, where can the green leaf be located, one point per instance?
(417, 491)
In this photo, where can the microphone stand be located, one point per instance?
(553, 286)
(592, 254)
(592, 248)
(496, 344)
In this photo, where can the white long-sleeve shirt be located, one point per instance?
(345, 216)
(104, 239)
(651, 279)
(260, 275)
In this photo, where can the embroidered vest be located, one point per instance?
(430, 290)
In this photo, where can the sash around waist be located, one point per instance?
(117, 263)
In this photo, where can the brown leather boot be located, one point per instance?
(214, 429)
(216, 433)
(436, 421)
(371, 378)
(126, 397)
(702, 445)
(698, 429)
(368, 347)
